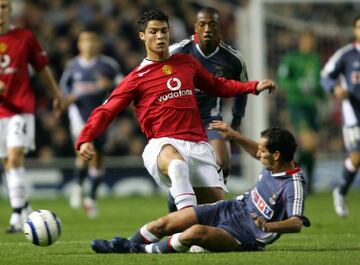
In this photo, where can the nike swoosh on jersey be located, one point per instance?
(142, 73)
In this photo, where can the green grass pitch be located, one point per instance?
(330, 239)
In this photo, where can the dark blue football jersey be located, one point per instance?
(223, 62)
(345, 66)
(80, 79)
(276, 197)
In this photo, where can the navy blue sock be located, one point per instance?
(80, 174)
(159, 247)
(138, 238)
(94, 184)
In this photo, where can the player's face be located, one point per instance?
(307, 42)
(207, 28)
(266, 158)
(88, 44)
(356, 30)
(156, 39)
(5, 12)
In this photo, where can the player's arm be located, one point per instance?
(331, 72)
(222, 87)
(239, 102)
(228, 133)
(238, 111)
(290, 225)
(39, 61)
(294, 198)
(46, 76)
(110, 75)
(102, 116)
(66, 83)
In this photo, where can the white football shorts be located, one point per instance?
(200, 157)
(17, 131)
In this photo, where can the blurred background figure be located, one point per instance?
(299, 79)
(19, 48)
(345, 65)
(86, 82)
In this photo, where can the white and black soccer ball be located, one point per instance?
(42, 228)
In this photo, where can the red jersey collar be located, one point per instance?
(289, 172)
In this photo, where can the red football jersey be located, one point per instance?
(164, 98)
(18, 49)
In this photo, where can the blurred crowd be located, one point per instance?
(57, 24)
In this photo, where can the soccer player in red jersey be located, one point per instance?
(162, 89)
(18, 48)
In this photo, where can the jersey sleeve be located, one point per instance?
(295, 196)
(219, 86)
(239, 104)
(102, 116)
(331, 71)
(66, 81)
(37, 56)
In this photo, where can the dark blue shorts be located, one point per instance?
(212, 134)
(232, 216)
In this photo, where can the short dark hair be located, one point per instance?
(151, 14)
(280, 140)
(355, 20)
(209, 10)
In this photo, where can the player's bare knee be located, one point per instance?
(161, 226)
(355, 159)
(166, 155)
(13, 162)
(195, 235)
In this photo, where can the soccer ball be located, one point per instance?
(42, 228)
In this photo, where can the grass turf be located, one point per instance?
(330, 239)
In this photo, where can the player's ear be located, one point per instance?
(277, 156)
(142, 36)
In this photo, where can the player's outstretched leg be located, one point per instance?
(80, 174)
(339, 193)
(150, 233)
(95, 177)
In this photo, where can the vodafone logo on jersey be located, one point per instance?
(174, 84)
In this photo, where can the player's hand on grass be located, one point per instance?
(223, 128)
(265, 85)
(340, 92)
(87, 151)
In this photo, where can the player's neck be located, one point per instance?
(281, 167)
(88, 57)
(157, 57)
(207, 49)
